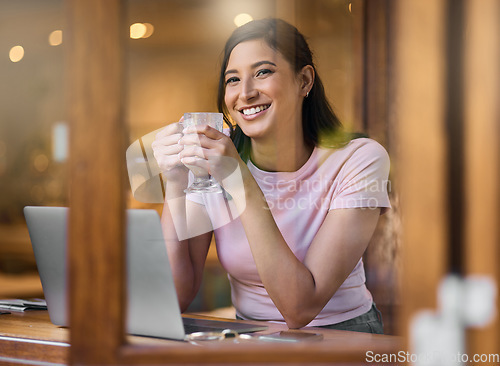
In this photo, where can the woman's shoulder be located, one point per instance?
(359, 148)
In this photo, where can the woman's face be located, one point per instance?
(263, 93)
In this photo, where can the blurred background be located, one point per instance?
(173, 54)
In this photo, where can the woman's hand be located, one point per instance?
(214, 152)
(166, 151)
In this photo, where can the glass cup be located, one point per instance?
(203, 182)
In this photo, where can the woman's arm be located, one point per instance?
(187, 257)
(299, 290)
(186, 227)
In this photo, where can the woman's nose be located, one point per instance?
(248, 90)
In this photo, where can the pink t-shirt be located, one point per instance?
(351, 177)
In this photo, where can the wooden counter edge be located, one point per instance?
(338, 346)
(25, 349)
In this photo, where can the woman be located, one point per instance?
(308, 199)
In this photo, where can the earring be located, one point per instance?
(307, 94)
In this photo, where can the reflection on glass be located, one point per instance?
(176, 70)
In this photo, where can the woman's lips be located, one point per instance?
(255, 109)
(251, 112)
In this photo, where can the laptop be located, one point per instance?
(152, 306)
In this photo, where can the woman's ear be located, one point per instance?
(307, 79)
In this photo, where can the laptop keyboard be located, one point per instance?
(192, 325)
(191, 328)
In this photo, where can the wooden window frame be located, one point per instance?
(97, 180)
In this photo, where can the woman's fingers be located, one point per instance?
(207, 141)
(168, 162)
(192, 151)
(170, 129)
(171, 140)
(206, 149)
(194, 139)
(206, 130)
(200, 152)
(166, 148)
(193, 161)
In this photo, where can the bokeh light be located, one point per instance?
(41, 162)
(56, 37)
(16, 53)
(138, 30)
(242, 18)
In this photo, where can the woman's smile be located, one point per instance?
(252, 112)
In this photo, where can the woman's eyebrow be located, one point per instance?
(260, 63)
(253, 66)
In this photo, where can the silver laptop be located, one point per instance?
(152, 307)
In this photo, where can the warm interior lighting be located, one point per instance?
(242, 18)
(41, 162)
(16, 53)
(137, 30)
(55, 38)
(149, 30)
(350, 7)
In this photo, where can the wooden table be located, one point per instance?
(30, 336)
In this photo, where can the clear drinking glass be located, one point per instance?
(203, 182)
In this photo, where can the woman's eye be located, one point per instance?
(264, 72)
(231, 80)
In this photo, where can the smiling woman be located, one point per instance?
(264, 95)
(277, 40)
(287, 261)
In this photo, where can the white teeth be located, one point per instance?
(254, 110)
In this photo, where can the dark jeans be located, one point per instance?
(369, 322)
